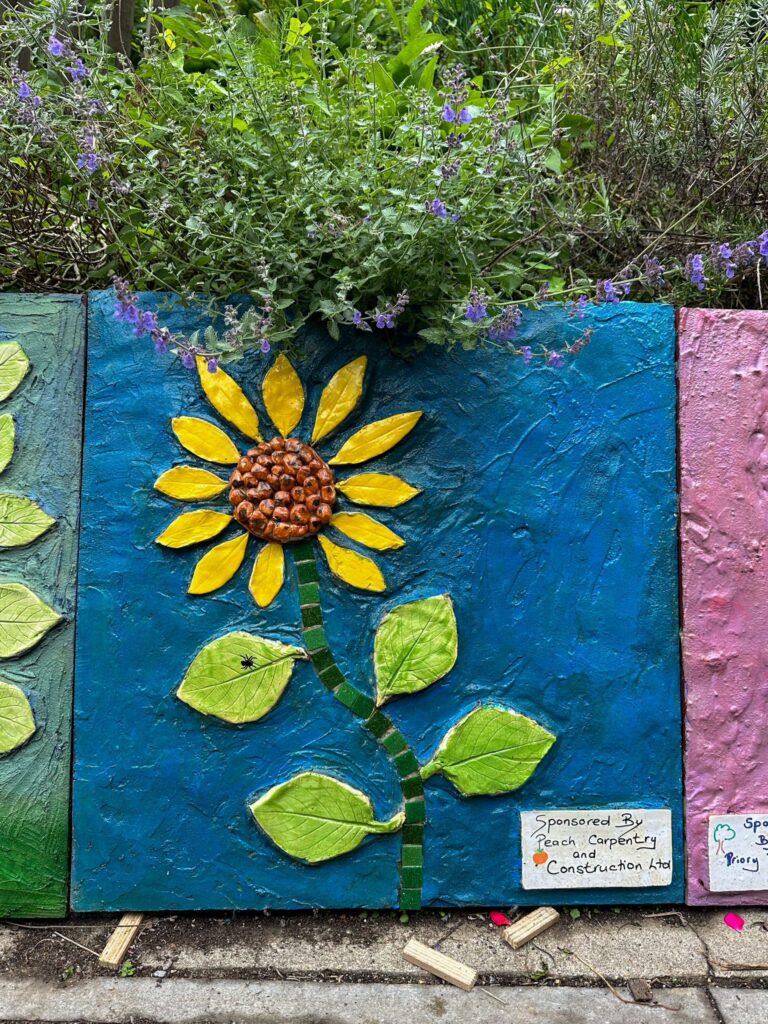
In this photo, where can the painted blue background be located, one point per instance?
(548, 514)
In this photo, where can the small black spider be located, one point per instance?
(248, 662)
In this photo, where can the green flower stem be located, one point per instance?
(377, 723)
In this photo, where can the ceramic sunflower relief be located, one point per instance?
(333, 638)
(41, 382)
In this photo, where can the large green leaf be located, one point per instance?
(7, 439)
(21, 521)
(315, 817)
(416, 644)
(239, 677)
(14, 366)
(24, 619)
(491, 750)
(16, 721)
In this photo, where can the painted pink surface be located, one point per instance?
(724, 524)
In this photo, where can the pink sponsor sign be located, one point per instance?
(724, 525)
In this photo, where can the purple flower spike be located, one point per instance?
(763, 240)
(695, 270)
(381, 321)
(78, 69)
(449, 114)
(455, 217)
(213, 365)
(357, 317)
(188, 361)
(24, 91)
(437, 209)
(55, 47)
(476, 312)
(555, 359)
(465, 116)
(527, 354)
(265, 347)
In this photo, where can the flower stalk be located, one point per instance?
(389, 737)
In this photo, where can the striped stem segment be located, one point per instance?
(377, 723)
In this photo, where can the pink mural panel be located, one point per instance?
(724, 524)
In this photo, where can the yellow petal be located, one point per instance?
(283, 395)
(192, 527)
(376, 438)
(227, 398)
(355, 569)
(205, 440)
(340, 396)
(190, 484)
(361, 528)
(268, 573)
(377, 489)
(218, 565)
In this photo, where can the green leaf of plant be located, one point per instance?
(416, 644)
(16, 721)
(314, 817)
(239, 677)
(7, 440)
(14, 366)
(21, 521)
(492, 750)
(24, 619)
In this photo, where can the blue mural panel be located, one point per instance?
(547, 513)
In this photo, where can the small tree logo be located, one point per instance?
(723, 834)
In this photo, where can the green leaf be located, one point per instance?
(492, 750)
(21, 521)
(416, 644)
(7, 440)
(24, 619)
(16, 721)
(239, 677)
(14, 366)
(315, 817)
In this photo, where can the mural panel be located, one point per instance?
(723, 429)
(340, 622)
(41, 389)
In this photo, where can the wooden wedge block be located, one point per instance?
(530, 926)
(120, 940)
(439, 964)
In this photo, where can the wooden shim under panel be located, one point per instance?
(443, 966)
(530, 926)
(120, 940)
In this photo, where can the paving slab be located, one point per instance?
(727, 948)
(188, 1001)
(741, 1005)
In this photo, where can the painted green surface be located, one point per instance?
(41, 381)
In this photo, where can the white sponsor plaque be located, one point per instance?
(738, 852)
(597, 849)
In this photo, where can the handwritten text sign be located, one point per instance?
(598, 849)
(738, 852)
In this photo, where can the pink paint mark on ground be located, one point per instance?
(724, 536)
(734, 921)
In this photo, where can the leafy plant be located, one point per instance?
(415, 170)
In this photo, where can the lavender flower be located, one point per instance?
(188, 360)
(581, 306)
(24, 91)
(357, 317)
(763, 240)
(55, 47)
(695, 269)
(465, 116)
(477, 309)
(555, 359)
(722, 258)
(504, 327)
(653, 273)
(264, 347)
(78, 69)
(213, 364)
(455, 217)
(527, 354)
(606, 291)
(437, 208)
(449, 114)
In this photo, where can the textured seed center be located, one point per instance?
(282, 490)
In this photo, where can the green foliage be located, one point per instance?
(127, 969)
(291, 151)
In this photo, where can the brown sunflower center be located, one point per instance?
(282, 490)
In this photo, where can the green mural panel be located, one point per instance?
(42, 342)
